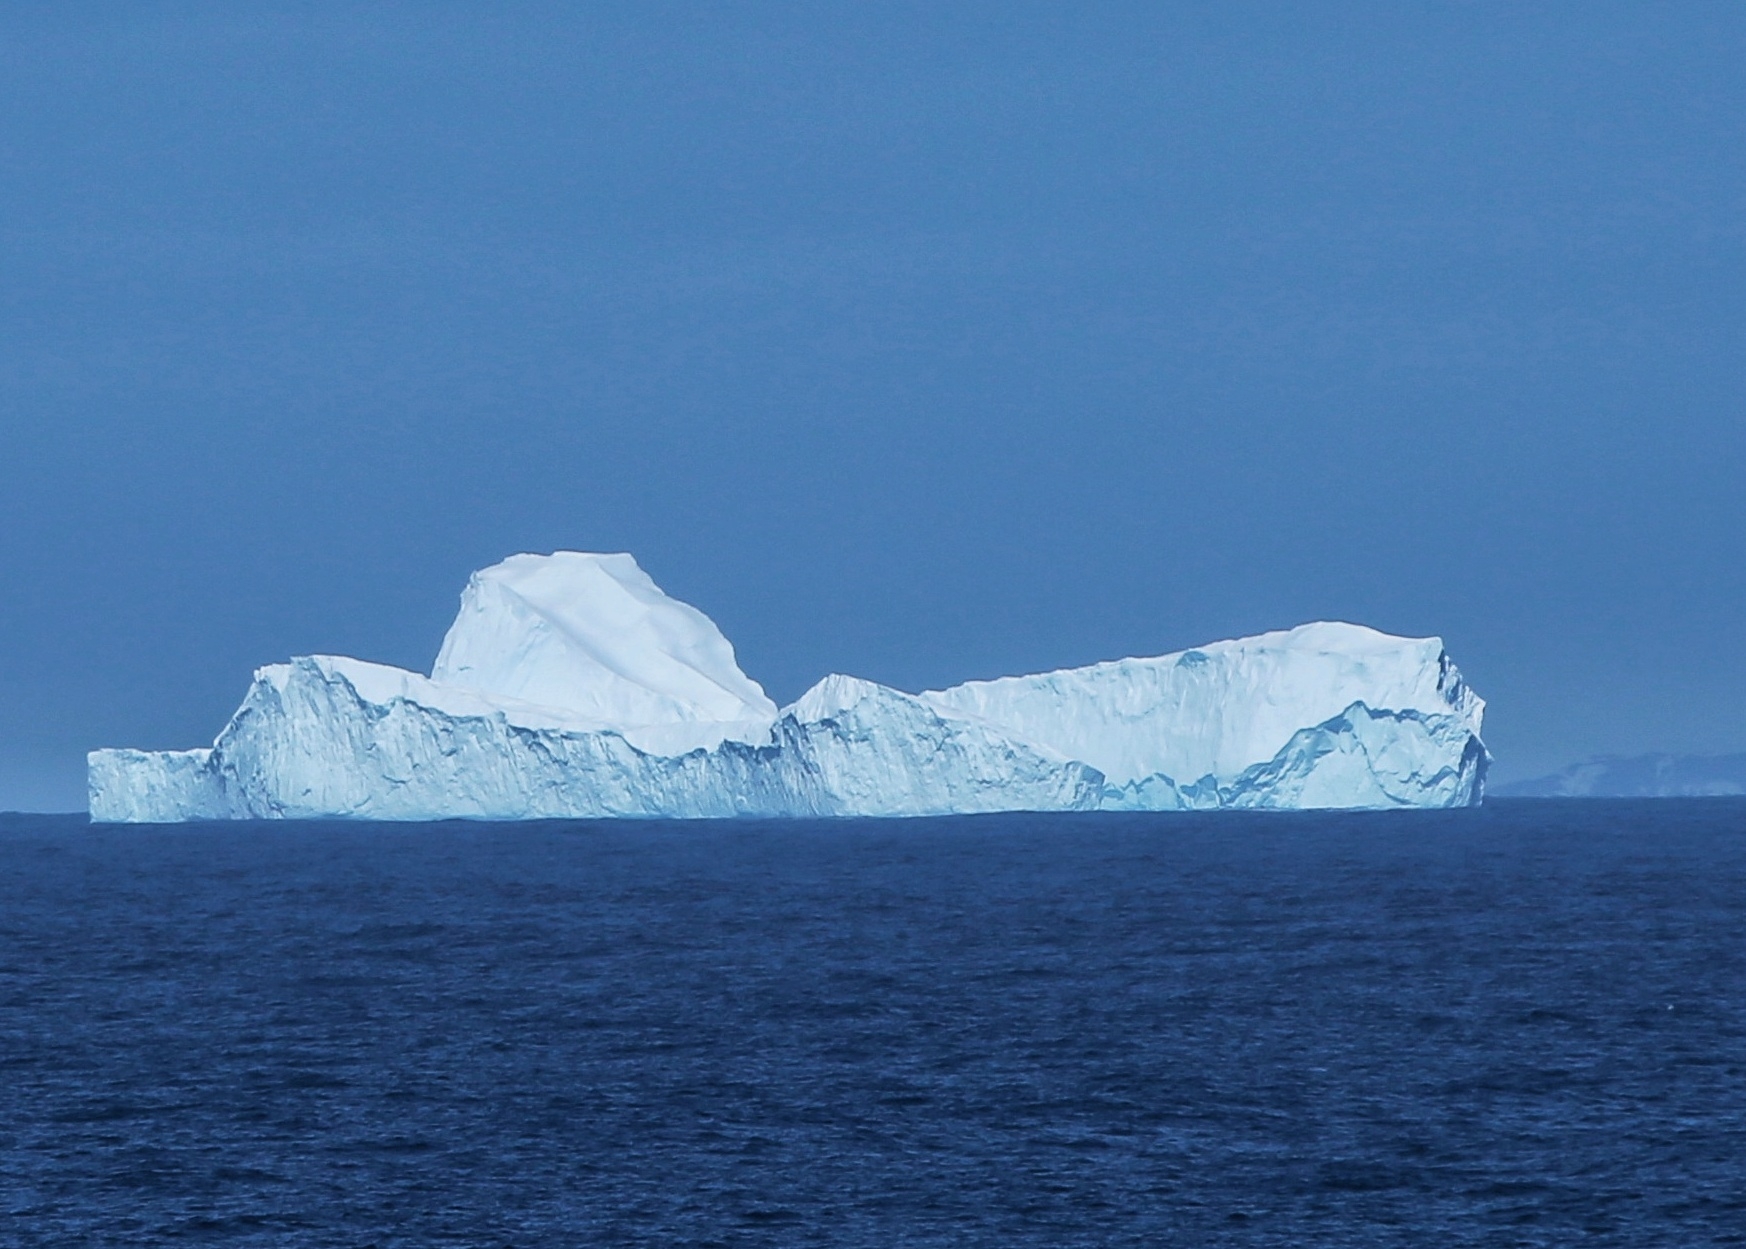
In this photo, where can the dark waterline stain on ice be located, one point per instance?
(1522, 1025)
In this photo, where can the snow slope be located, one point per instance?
(594, 635)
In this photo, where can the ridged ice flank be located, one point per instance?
(571, 686)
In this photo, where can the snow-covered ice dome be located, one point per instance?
(593, 634)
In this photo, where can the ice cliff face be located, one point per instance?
(1207, 717)
(326, 736)
(571, 686)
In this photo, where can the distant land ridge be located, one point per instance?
(1638, 776)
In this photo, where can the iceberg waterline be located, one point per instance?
(571, 686)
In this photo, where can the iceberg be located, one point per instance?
(571, 686)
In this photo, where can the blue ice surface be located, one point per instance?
(1523, 1024)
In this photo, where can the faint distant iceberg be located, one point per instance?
(1639, 776)
(570, 685)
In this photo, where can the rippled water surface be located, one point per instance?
(1524, 1025)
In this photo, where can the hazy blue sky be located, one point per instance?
(923, 342)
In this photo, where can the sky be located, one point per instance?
(922, 342)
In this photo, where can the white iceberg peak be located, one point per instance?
(832, 696)
(593, 635)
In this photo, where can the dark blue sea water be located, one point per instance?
(1524, 1025)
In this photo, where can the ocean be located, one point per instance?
(1520, 1025)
